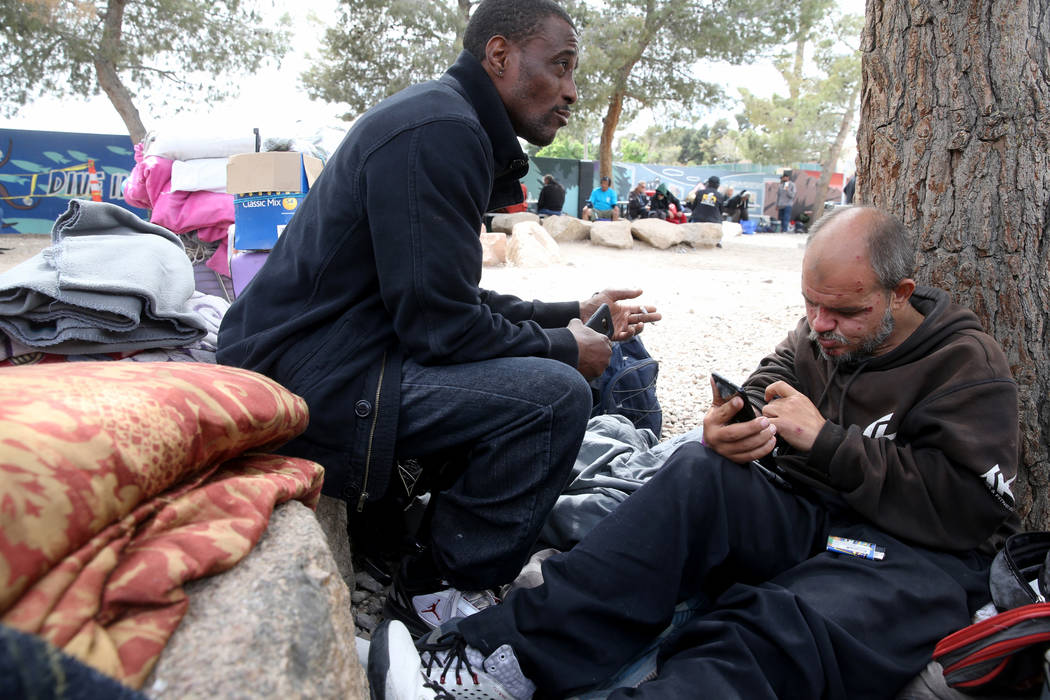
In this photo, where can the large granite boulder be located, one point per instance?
(657, 232)
(276, 625)
(567, 228)
(531, 246)
(504, 223)
(613, 234)
(701, 234)
(493, 248)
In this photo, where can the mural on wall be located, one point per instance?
(40, 171)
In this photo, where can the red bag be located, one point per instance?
(1001, 654)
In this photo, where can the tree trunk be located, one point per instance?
(794, 79)
(106, 70)
(609, 124)
(832, 157)
(121, 99)
(955, 139)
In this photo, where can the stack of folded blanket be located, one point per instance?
(110, 283)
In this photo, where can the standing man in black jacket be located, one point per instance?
(370, 310)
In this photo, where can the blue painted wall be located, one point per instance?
(40, 171)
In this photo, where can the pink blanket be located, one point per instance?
(208, 213)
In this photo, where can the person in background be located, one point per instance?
(785, 201)
(638, 202)
(662, 200)
(736, 205)
(602, 202)
(552, 197)
(898, 427)
(849, 188)
(708, 202)
(521, 206)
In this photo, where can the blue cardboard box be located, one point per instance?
(268, 189)
(260, 221)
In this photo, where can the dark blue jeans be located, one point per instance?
(785, 618)
(518, 423)
(785, 218)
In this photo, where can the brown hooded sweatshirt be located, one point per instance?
(921, 441)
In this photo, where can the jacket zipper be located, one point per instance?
(371, 437)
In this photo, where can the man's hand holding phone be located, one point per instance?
(733, 428)
(593, 349)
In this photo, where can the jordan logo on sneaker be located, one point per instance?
(432, 610)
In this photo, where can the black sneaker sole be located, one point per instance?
(394, 609)
(378, 662)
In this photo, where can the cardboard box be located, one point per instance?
(268, 189)
(272, 171)
(243, 267)
(260, 221)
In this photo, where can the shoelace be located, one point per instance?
(439, 692)
(455, 647)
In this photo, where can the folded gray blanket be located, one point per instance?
(109, 282)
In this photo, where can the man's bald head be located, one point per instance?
(848, 232)
(857, 286)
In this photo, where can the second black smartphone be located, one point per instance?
(601, 321)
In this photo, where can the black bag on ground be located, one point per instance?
(628, 386)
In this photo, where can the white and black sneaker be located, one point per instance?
(463, 671)
(441, 666)
(394, 670)
(426, 610)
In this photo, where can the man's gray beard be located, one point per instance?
(867, 348)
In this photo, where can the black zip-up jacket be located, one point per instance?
(381, 262)
(552, 197)
(921, 441)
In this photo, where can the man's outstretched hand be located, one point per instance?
(628, 319)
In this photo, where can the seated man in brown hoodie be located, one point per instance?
(894, 418)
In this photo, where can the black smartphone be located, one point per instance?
(767, 464)
(601, 321)
(727, 390)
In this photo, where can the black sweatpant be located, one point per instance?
(787, 619)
